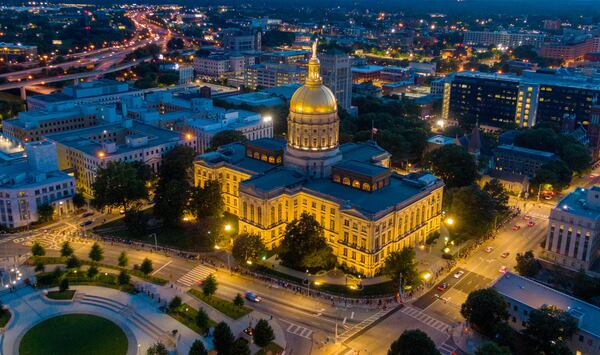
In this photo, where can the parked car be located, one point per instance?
(489, 249)
(85, 223)
(458, 274)
(516, 227)
(442, 286)
(87, 214)
(251, 296)
(530, 224)
(504, 255)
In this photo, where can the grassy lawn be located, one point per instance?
(221, 305)
(74, 334)
(58, 295)
(4, 318)
(271, 349)
(48, 279)
(187, 316)
(52, 260)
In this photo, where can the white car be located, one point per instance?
(458, 274)
(489, 249)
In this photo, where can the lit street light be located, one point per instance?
(449, 221)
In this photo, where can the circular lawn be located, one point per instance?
(74, 334)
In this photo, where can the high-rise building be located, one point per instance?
(534, 97)
(236, 40)
(337, 75)
(268, 75)
(503, 39)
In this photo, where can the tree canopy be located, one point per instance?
(549, 328)
(226, 137)
(491, 348)
(206, 201)
(527, 264)
(413, 342)
(303, 239)
(453, 164)
(402, 262)
(473, 211)
(484, 309)
(120, 185)
(223, 339)
(248, 247)
(555, 173)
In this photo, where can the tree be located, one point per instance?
(484, 309)
(123, 260)
(73, 262)
(173, 189)
(207, 201)
(402, 262)
(544, 139)
(96, 253)
(202, 319)
(413, 342)
(92, 272)
(37, 249)
(238, 300)
(65, 249)
(549, 328)
(453, 164)
(146, 266)
(473, 210)
(198, 348)
(123, 278)
(78, 200)
(497, 192)
(175, 43)
(248, 247)
(157, 349)
(39, 266)
(240, 347)
(577, 157)
(209, 287)
(525, 52)
(45, 212)
(303, 238)
(223, 339)
(491, 348)
(226, 137)
(276, 38)
(527, 264)
(263, 333)
(119, 185)
(555, 173)
(64, 285)
(170, 201)
(175, 304)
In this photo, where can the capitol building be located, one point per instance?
(366, 210)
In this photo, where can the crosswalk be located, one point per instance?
(446, 349)
(351, 331)
(194, 276)
(299, 331)
(425, 319)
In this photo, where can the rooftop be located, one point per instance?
(361, 168)
(536, 295)
(234, 155)
(367, 69)
(577, 202)
(525, 151)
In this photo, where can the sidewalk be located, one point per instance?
(466, 339)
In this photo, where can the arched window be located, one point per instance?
(346, 181)
(256, 155)
(245, 210)
(259, 215)
(336, 178)
(263, 157)
(279, 159)
(366, 186)
(356, 184)
(272, 159)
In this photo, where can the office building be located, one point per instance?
(570, 48)
(337, 75)
(523, 295)
(236, 40)
(85, 150)
(102, 91)
(220, 66)
(28, 183)
(266, 75)
(285, 57)
(366, 210)
(521, 161)
(574, 230)
(534, 97)
(503, 39)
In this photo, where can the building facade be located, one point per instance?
(268, 75)
(337, 75)
(523, 295)
(521, 161)
(365, 209)
(26, 184)
(503, 39)
(574, 230)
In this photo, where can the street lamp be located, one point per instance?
(449, 221)
(227, 227)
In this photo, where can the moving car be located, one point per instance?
(489, 249)
(251, 296)
(87, 214)
(516, 227)
(442, 286)
(505, 254)
(530, 224)
(85, 223)
(458, 274)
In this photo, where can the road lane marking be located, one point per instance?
(195, 275)
(162, 267)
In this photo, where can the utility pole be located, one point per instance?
(400, 288)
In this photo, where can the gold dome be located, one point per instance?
(313, 99)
